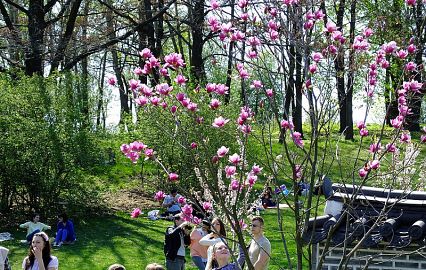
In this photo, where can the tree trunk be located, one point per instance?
(36, 28)
(349, 134)
(230, 58)
(197, 63)
(339, 64)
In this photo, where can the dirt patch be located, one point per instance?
(127, 200)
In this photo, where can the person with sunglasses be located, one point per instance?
(260, 247)
(39, 257)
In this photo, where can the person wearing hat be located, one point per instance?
(176, 238)
(199, 252)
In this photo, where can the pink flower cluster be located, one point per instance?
(244, 120)
(133, 150)
(311, 18)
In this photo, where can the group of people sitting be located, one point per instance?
(209, 247)
(39, 254)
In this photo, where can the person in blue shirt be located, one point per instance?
(65, 232)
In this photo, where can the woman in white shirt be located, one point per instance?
(39, 257)
(217, 235)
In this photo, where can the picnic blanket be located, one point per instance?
(4, 236)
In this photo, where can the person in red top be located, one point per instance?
(199, 252)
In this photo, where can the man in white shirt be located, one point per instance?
(260, 247)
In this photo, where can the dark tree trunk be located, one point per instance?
(339, 64)
(84, 89)
(349, 134)
(197, 63)
(36, 28)
(297, 112)
(230, 58)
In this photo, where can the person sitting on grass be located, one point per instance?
(4, 261)
(154, 266)
(267, 200)
(171, 203)
(34, 226)
(220, 258)
(116, 266)
(39, 257)
(65, 233)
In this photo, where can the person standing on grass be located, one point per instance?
(199, 252)
(260, 247)
(217, 235)
(39, 257)
(176, 238)
(65, 232)
(34, 226)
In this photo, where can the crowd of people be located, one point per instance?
(207, 243)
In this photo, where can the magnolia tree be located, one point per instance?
(264, 37)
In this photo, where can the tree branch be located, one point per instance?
(9, 23)
(21, 8)
(113, 41)
(60, 14)
(117, 12)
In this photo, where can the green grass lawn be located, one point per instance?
(102, 241)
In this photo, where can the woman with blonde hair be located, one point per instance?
(221, 256)
(218, 235)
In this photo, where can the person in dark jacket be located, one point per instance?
(176, 239)
(65, 232)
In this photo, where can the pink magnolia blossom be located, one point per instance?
(308, 24)
(141, 101)
(363, 132)
(338, 36)
(230, 171)
(181, 200)
(256, 84)
(297, 139)
(219, 122)
(235, 159)
(180, 79)
(273, 25)
(269, 93)
(363, 172)
(196, 220)
(125, 148)
(173, 109)
(214, 4)
(243, 74)
(309, 15)
(413, 86)
(313, 68)
(286, 124)
(411, 48)
(214, 24)
(273, 35)
(401, 54)
(367, 32)
(155, 101)
(235, 185)
(207, 206)
(163, 89)
(146, 53)
(193, 107)
(112, 80)
(256, 169)
(159, 196)
(317, 56)
(173, 177)
(385, 64)
(374, 147)
(137, 146)
(253, 41)
(410, 3)
(410, 66)
(187, 209)
(244, 17)
(145, 90)
(405, 137)
(423, 139)
(332, 49)
(175, 60)
(138, 71)
(134, 84)
(397, 122)
(135, 213)
(319, 15)
(222, 151)
(149, 152)
(221, 89)
(251, 179)
(226, 27)
(164, 72)
(390, 147)
(389, 47)
(153, 62)
(180, 96)
(214, 104)
(194, 145)
(375, 164)
(246, 129)
(360, 125)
